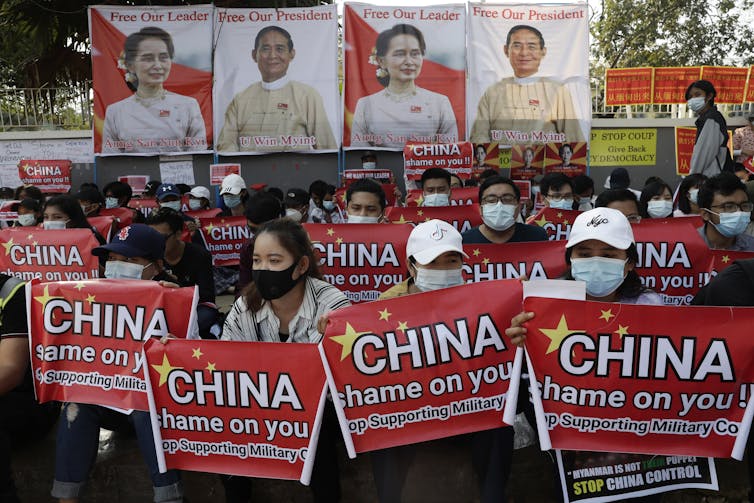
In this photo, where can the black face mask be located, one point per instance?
(274, 284)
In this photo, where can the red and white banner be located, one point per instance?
(59, 255)
(527, 161)
(533, 260)
(47, 175)
(388, 105)
(423, 366)
(362, 260)
(217, 172)
(104, 224)
(670, 83)
(240, 408)
(628, 86)
(458, 197)
(730, 82)
(455, 158)
(165, 55)
(381, 175)
(7, 213)
(123, 216)
(224, 237)
(86, 337)
(203, 214)
(641, 379)
(462, 218)
(685, 138)
(556, 222)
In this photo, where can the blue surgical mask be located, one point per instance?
(173, 205)
(696, 104)
(118, 269)
(498, 216)
(435, 279)
(563, 204)
(328, 205)
(602, 275)
(27, 219)
(436, 200)
(231, 201)
(659, 209)
(111, 202)
(732, 224)
(693, 193)
(195, 204)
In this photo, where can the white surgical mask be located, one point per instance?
(118, 269)
(27, 219)
(659, 209)
(195, 204)
(54, 224)
(173, 205)
(369, 165)
(363, 219)
(585, 204)
(293, 214)
(563, 204)
(231, 200)
(328, 205)
(436, 200)
(111, 202)
(696, 104)
(435, 279)
(602, 275)
(498, 216)
(693, 193)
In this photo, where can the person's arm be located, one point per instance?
(317, 124)
(227, 141)
(706, 147)
(480, 132)
(14, 359)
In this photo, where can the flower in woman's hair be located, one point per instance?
(381, 73)
(122, 61)
(373, 57)
(130, 77)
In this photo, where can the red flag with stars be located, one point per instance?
(362, 260)
(86, 337)
(48, 255)
(462, 218)
(423, 366)
(224, 237)
(556, 222)
(240, 408)
(641, 379)
(721, 259)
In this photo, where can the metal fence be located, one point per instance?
(26, 109)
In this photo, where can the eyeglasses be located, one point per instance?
(733, 207)
(505, 199)
(557, 196)
(634, 219)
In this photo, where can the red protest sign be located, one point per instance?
(104, 224)
(34, 253)
(124, 216)
(456, 158)
(138, 183)
(381, 175)
(86, 337)
(527, 161)
(641, 379)
(219, 171)
(721, 259)
(730, 82)
(566, 158)
(462, 218)
(49, 175)
(145, 206)
(240, 408)
(362, 260)
(7, 213)
(458, 197)
(556, 222)
(749, 95)
(524, 188)
(423, 366)
(534, 260)
(670, 83)
(685, 138)
(224, 237)
(628, 86)
(203, 214)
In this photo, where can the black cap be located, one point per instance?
(29, 204)
(90, 194)
(296, 197)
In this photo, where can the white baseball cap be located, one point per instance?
(431, 239)
(603, 224)
(200, 191)
(232, 184)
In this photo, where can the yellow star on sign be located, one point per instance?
(485, 261)
(164, 369)
(476, 252)
(402, 326)
(30, 236)
(420, 212)
(622, 330)
(606, 315)
(401, 220)
(560, 215)
(330, 231)
(197, 353)
(542, 221)
(339, 240)
(346, 340)
(556, 335)
(90, 298)
(210, 366)
(385, 314)
(420, 201)
(8, 245)
(566, 222)
(209, 227)
(726, 259)
(79, 286)
(34, 243)
(46, 297)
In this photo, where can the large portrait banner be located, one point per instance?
(152, 72)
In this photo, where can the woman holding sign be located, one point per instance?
(402, 112)
(288, 302)
(152, 120)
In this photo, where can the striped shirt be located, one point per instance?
(320, 298)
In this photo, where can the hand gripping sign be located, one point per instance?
(423, 366)
(86, 337)
(239, 408)
(643, 379)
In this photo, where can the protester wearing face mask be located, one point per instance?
(234, 194)
(557, 191)
(288, 302)
(369, 160)
(29, 213)
(199, 198)
(583, 192)
(656, 200)
(688, 193)
(710, 155)
(365, 202)
(64, 212)
(726, 212)
(296, 205)
(499, 203)
(90, 200)
(168, 196)
(436, 190)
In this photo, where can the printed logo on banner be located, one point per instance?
(241, 408)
